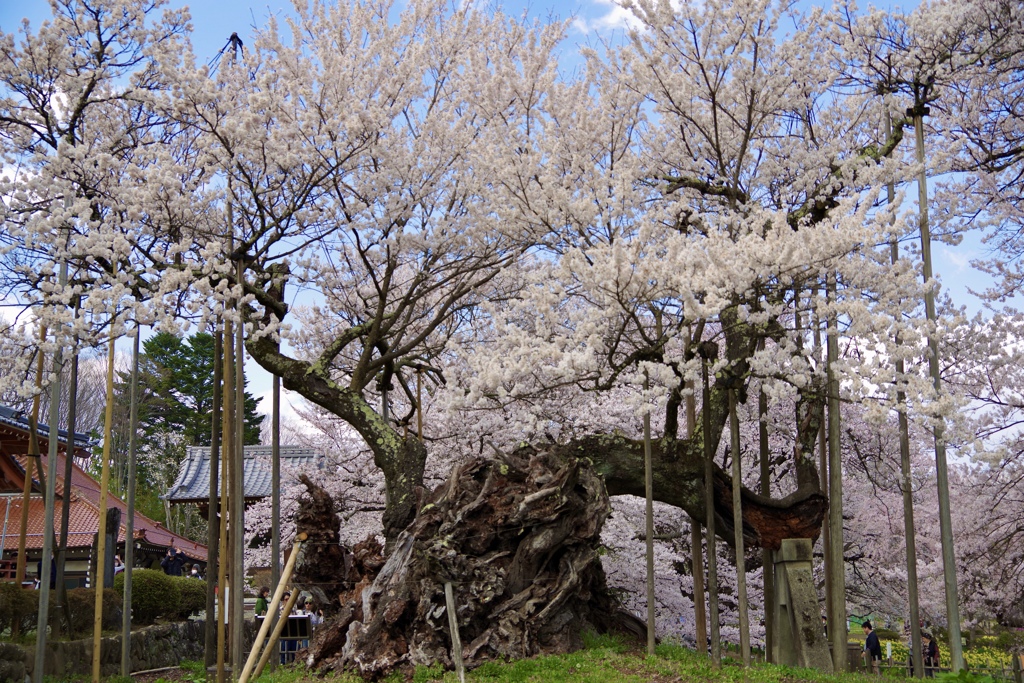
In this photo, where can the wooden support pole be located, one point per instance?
(250, 662)
(453, 628)
(276, 634)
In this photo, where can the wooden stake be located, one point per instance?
(453, 628)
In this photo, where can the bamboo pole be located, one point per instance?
(101, 543)
(129, 532)
(278, 627)
(289, 567)
(938, 430)
(46, 564)
(737, 522)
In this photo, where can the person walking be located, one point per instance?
(872, 648)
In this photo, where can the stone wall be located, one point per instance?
(151, 648)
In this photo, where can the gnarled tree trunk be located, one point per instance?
(517, 536)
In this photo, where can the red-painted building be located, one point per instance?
(151, 539)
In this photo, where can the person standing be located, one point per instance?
(173, 561)
(872, 648)
(261, 602)
(930, 649)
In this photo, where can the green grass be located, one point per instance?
(604, 659)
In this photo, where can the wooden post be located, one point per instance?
(453, 627)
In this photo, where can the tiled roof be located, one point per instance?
(16, 418)
(193, 482)
(84, 518)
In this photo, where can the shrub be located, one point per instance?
(17, 605)
(887, 634)
(82, 605)
(193, 596)
(154, 594)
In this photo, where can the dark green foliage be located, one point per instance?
(82, 605)
(193, 595)
(964, 676)
(887, 634)
(176, 379)
(17, 605)
(154, 594)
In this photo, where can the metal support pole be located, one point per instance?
(938, 431)
(129, 533)
(50, 498)
(737, 522)
(709, 351)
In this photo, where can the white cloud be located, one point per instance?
(611, 15)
